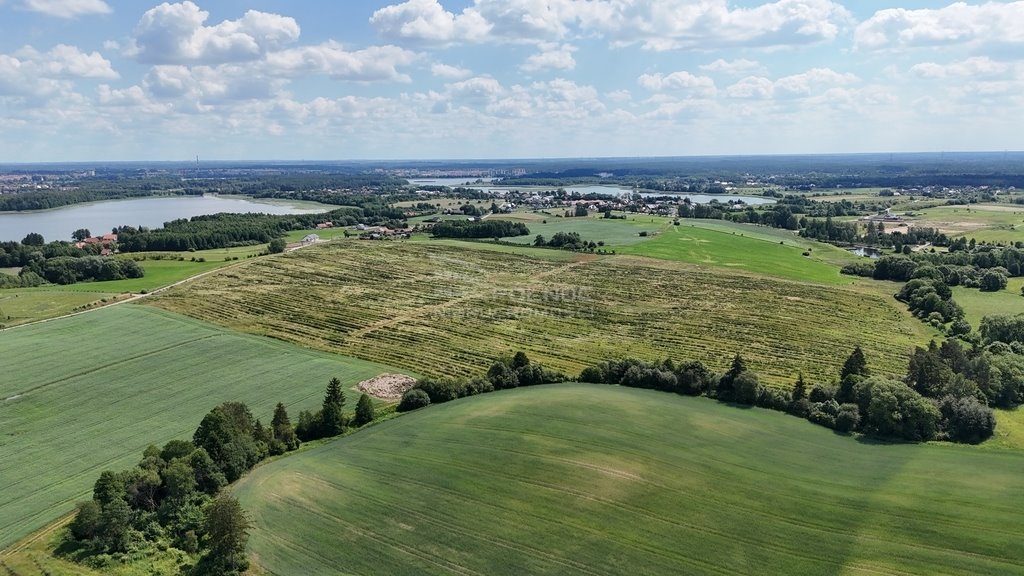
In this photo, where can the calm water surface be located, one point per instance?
(100, 217)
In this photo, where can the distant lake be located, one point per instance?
(467, 182)
(591, 189)
(101, 217)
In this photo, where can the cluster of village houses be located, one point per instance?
(106, 241)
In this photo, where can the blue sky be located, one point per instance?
(84, 80)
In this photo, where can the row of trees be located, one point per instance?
(947, 392)
(505, 373)
(984, 272)
(858, 401)
(478, 229)
(69, 270)
(331, 419)
(566, 241)
(226, 230)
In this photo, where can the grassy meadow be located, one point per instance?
(450, 309)
(24, 305)
(88, 393)
(978, 304)
(710, 247)
(592, 479)
(983, 222)
(611, 231)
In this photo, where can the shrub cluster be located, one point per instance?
(505, 373)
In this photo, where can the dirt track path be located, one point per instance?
(137, 297)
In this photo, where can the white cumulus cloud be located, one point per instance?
(450, 72)
(375, 63)
(654, 24)
(738, 67)
(806, 83)
(552, 58)
(427, 22)
(681, 81)
(995, 23)
(176, 34)
(976, 67)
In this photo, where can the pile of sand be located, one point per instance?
(387, 386)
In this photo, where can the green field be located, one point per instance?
(88, 393)
(23, 305)
(708, 247)
(591, 479)
(450, 309)
(983, 222)
(978, 304)
(611, 231)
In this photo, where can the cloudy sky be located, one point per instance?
(262, 79)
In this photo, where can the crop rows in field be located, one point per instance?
(600, 480)
(452, 310)
(88, 393)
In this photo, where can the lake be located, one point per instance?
(591, 189)
(101, 217)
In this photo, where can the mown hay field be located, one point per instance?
(602, 480)
(88, 393)
(450, 309)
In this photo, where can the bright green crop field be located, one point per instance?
(450, 309)
(601, 480)
(88, 393)
(710, 247)
(611, 231)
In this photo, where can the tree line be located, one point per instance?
(226, 230)
(478, 229)
(947, 392)
(504, 373)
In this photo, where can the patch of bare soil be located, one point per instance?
(387, 386)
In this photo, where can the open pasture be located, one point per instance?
(978, 304)
(450, 309)
(601, 480)
(84, 394)
(22, 305)
(611, 231)
(735, 250)
(983, 222)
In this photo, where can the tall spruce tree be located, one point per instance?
(332, 420)
(855, 364)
